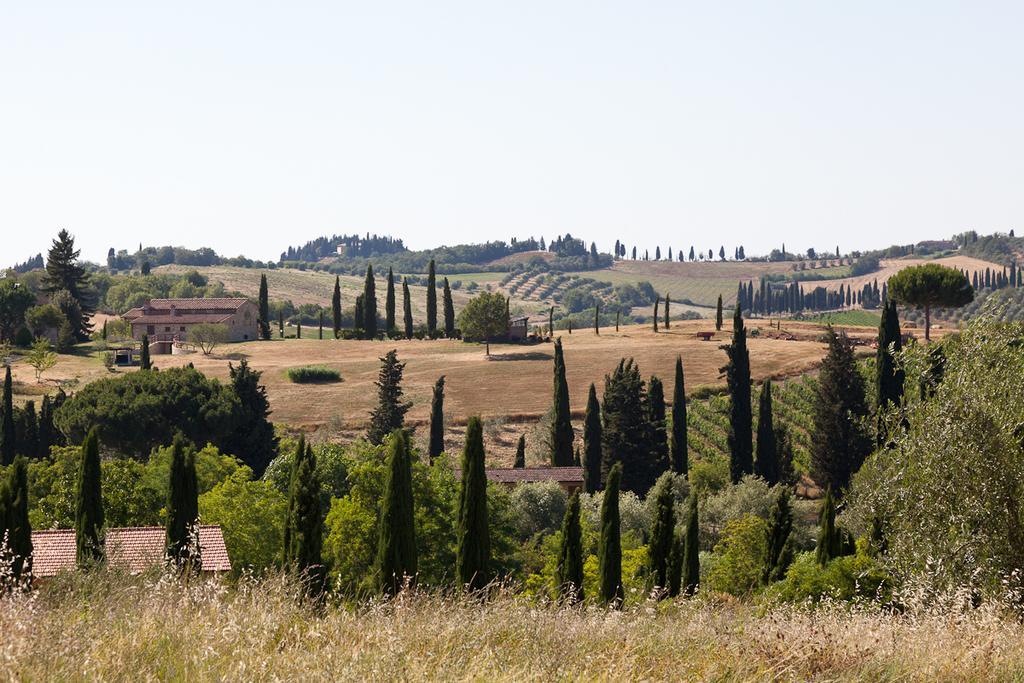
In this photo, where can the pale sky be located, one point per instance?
(248, 126)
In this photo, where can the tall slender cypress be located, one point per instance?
(264, 305)
(663, 526)
(667, 317)
(767, 464)
(780, 537)
(718, 314)
(406, 308)
(336, 307)
(473, 540)
(370, 304)
(431, 299)
(436, 446)
(890, 378)
(144, 362)
(597, 318)
(8, 445)
(609, 552)
(389, 304)
(520, 461)
(449, 310)
(303, 538)
(678, 446)
(396, 544)
(826, 546)
(15, 522)
(569, 572)
(691, 551)
(89, 504)
(389, 414)
(561, 427)
(551, 320)
(654, 318)
(182, 505)
(675, 565)
(321, 336)
(592, 443)
(657, 439)
(737, 372)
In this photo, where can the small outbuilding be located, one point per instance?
(569, 478)
(518, 328)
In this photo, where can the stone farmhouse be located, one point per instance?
(168, 321)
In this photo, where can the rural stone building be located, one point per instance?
(169, 320)
(569, 478)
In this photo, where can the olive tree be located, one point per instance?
(930, 286)
(207, 336)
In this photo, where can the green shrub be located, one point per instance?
(739, 558)
(856, 577)
(312, 374)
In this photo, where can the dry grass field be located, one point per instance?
(890, 267)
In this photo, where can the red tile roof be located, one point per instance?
(517, 475)
(166, 317)
(197, 304)
(133, 548)
(156, 310)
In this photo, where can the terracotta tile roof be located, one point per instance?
(198, 304)
(133, 548)
(158, 310)
(166, 317)
(522, 475)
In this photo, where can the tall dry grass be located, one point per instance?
(112, 627)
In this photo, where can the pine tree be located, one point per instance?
(8, 438)
(691, 552)
(520, 461)
(264, 305)
(737, 374)
(658, 438)
(678, 445)
(663, 526)
(389, 304)
(396, 544)
(407, 308)
(839, 443)
(303, 534)
(449, 311)
(889, 377)
(780, 538)
(569, 572)
(609, 553)
(767, 464)
(561, 426)
(253, 438)
(65, 273)
(336, 307)
(144, 362)
(436, 445)
(473, 541)
(431, 299)
(626, 432)
(389, 414)
(182, 505)
(718, 314)
(592, 443)
(667, 319)
(370, 304)
(89, 504)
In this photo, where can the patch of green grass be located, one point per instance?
(855, 317)
(313, 374)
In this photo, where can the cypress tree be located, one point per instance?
(737, 373)
(889, 378)
(718, 314)
(678, 442)
(658, 439)
(667, 319)
(359, 316)
(592, 443)
(15, 520)
(663, 526)
(370, 304)
(449, 311)
(303, 534)
(182, 505)
(520, 461)
(144, 363)
(103, 331)
(431, 299)
(626, 433)
(767, 464)
(657, 301)
(617, 314)
(826, 546)
(389, 414)
(280, 323)
(551, 320)
(298, 328)
(609, 553)
(675, 565)
(321, 324)
(436, 446)
(336, 307)
(407, 308)
(473, 541)
(691, 551)
(561, 427)
(264, 313)
(28, 438)
(389, 304)
(780, 538)
(569, 572)
(89, 504)
(8, 438)
(597, 318)
(253, 438)
(396, 545)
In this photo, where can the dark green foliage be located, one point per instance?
(889, 378)
(667, 317)
(678, 441)
(359, 314)
(313, 374)
(27, 431)
(658, 438)
(767, 464)
(406, 308)
(718, 314)
(609, 552)
(780, 538)
(826, 547)
(89, 505)
(569, 573)
(370, 304)
(436, 446)
(48, 435)
(252, 439)
(336, 307)
(321, 334)
(626, 434)
(64, 273)
(389, 414)
(449, 311)
(280, 323)
(663, 528)
(737, 374)
(182, 506)
(691, 551)
(473, 539)
(654, 318)
(303, 532)
(597, 319)
(431, 299)
(520, 460)
(932, 377)
(14, 521)
(592, 443)
(839, 442)
(8, 444)
(929, 286)
(561, 426)
(264, 305)
(389, 304)
(551, 320)
(144, 362)
(396, 544)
